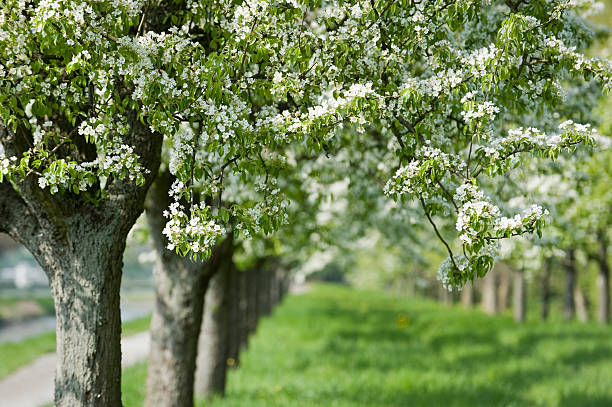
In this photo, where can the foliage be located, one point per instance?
(452, 92)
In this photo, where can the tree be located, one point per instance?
(90, 88)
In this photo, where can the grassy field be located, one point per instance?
(339, 347)
(15, 355)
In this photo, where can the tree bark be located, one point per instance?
(545, 293)
(519, 297)
(263, 292)
(504, 275)
(243, 309)
(569, 263)
(213, 344)
(581, 305)
(79, 240)
(489, 293)
(180, 285)
(274, 287)
(233, 318)
(603, 280)
(85, 289)
(252, 295)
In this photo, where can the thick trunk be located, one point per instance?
(569, 309)
(467, 295)
(85, 289)
(79, 241)
(213, 344)
(489, 292)
(545, 289)
(519, 297)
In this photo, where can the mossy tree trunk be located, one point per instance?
(79, 241)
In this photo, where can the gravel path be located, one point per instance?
(32, 385)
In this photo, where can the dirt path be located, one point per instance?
(32, 385)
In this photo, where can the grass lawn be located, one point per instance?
(15, 355)
(339, 347)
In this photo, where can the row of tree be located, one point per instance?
(240, 115)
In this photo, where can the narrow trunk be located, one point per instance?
(86, 295)
(467, 295)
(569, 309)
(603, 287)
(274, 288)
(263, 292)
(505, 280)
(489, 292)
(233, 318)
(545, 289)
(445, 296)
(581, 305)
(603, 281)
(519, 297)
(213, 344)
(242, 309)
(252, 295)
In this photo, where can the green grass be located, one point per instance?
(339, 347)
(15, 355)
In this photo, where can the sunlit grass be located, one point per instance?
(339, 347)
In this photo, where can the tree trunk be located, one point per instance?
(213, 344)
(252, 295)
(489, 293)
(603, 281)
(445, 296)
(467, 295)
(581, 305)
(263, 292)
(175, 327)
(79, 241)
(545, 289)
(242, 310)
(569, 309)
(180, 285)
(274, 287)
(85, 289)
(233, 318)
(519, 299)
(504, 275)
